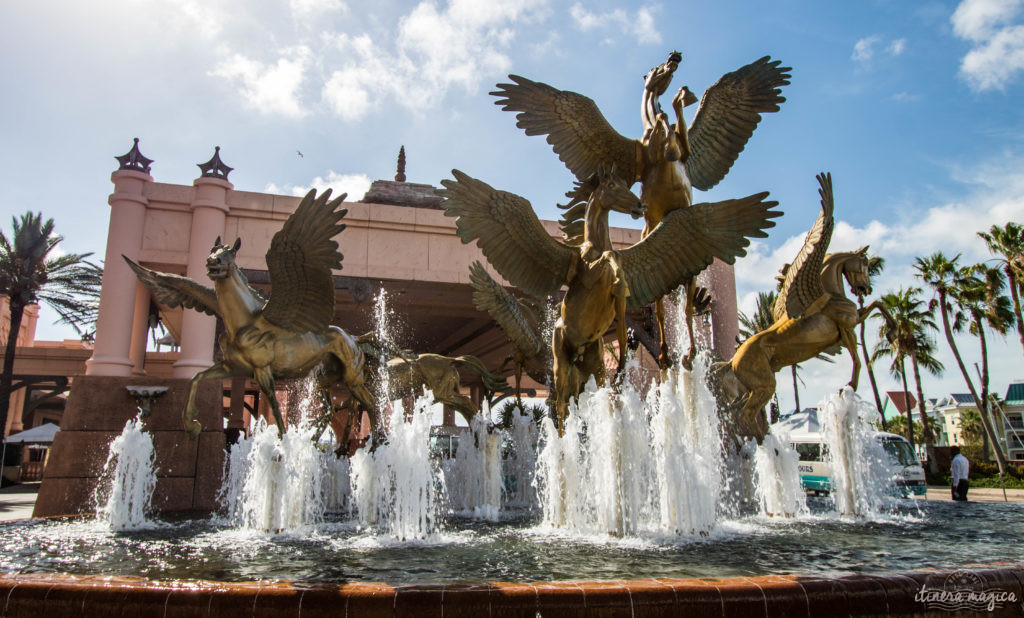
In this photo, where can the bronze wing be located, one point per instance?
(727, 116)
(688, 239)
(173, 290)
(576, 129)
(509, 233)
(511, 315)
(801, 284)
(301, 258)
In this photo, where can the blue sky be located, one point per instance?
(913, 107)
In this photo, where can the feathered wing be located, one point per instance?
(727, 116)
(801, 284)
(509, 233)
(511, 315)
(301, 258)
(173, 290)
(575, 128)
(688, 239)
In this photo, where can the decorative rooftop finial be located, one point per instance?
(215, 168)
(400, 176)
(134, 160)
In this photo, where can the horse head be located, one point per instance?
(222, 259)
(610, 192)
(855, 269)
(657, 79)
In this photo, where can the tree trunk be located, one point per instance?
(796, 390)
(987, 412)
(906, 402)
(870, 366)
(926, 426)
(7, 375)
(1000, 460)
(1011, 279)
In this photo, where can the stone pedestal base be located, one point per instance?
(188, 471)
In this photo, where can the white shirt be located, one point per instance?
(960, 468)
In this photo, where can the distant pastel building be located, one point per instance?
(1013, 420)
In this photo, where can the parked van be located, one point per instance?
(805, 435)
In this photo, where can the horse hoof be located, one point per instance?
(193, 428)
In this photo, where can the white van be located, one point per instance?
(905, 468)
(805, 434)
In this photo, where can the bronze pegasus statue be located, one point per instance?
(812, 315)
(287, 336)
(669, 159)
(601, 281)
(521, 320)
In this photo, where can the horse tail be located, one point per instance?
(491, 382)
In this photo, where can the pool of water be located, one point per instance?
(916, 535)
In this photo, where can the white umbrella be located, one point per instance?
(42, 434)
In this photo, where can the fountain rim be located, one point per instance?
(892, 593)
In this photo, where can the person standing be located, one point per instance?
(960, 469)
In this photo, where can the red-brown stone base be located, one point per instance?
(188, 471)
(863, 595)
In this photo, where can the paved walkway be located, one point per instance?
(17, 501)
(977, 494)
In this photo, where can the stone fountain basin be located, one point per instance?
(786, 595)
(824, 566)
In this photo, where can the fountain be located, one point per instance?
(123, 495)
(631, 499)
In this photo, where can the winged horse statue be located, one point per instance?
(812, 315)
(602, 282)
(287, 336)
(669, 160)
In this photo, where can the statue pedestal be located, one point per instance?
(188, 471)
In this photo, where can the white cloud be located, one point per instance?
(269, 88)
(305, 10)
(865, 48)
(978, 20)
(355, 185)
(997, 55)
(434, 51)
(640, 24)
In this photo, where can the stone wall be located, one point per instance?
(188, 470)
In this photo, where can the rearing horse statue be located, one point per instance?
(288, 336)
(669, 160)
(812, 315)
(602, 281)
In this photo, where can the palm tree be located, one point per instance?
(876, 265)
(1007, 242)
(908, 336)
(945, 277)
(761, 319)
(982, 300)
(32, 272)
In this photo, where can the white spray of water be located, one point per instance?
(277, 484)
(521, 462)
(778, 488)
(473, 477)
(130, 466)
(857, 461)
(393, 487)
(628, 466)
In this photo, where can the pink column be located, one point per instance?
(209, 210)
(110, 356)
(721, 280)
(140, 330)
